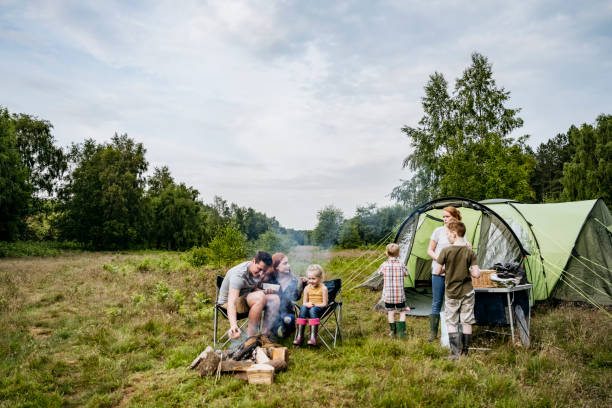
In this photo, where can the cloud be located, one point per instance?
(288, 106)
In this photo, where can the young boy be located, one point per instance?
(459, 262)
(394, 297)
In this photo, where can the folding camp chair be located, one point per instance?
(332, 314)
(242, 319)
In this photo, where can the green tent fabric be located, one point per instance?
(491, 238)
(566, 248)
(570, 247)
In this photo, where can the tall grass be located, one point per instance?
(102, 329)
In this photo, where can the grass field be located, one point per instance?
(120, 329)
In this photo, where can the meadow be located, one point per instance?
(111, 329)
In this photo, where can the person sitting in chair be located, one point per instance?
(239, 293)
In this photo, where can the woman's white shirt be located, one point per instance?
(439, 236)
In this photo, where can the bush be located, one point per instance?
(197, 256)
(228, 245)
(20, 249)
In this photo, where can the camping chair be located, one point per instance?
(242, 318)
(331, 318)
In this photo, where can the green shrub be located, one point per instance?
(162, 291)
(197, 256)
(228, 246)
(19, 249)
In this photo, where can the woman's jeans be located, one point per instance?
(437, 286)
(312, 313)
(282, 328)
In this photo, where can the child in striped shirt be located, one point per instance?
(393, 271)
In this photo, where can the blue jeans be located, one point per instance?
(314, 312)
(282, 328)
(437, 287)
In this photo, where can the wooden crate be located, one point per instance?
(485, 279)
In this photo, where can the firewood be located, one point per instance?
(199, 358)
(260, 374)
(233, 366)
(261, 357)
(280, 353)
(278, 365)
(208, 362)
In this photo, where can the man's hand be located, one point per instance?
(308, 304)
(234, 332)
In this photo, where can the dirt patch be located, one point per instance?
(40, 332)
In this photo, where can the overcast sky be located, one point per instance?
(289, 106)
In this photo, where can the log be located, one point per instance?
(280, 353)
(261, 357)
(200, 357)
(207, 362)
(233, 366)
(260, 374)
(278, 365)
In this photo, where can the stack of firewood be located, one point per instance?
(257, 362)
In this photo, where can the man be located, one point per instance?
(238, 293)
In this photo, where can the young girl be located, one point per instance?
(315, 300)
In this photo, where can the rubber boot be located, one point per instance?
(314, 331)
(401, 330)
(299, 338)
(392, 330)
(434, 323)
(454, 339)
(466, 338)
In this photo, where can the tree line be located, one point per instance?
(99, 195)
(462, 146)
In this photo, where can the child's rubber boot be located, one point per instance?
(314, 331)
(392, 330)
(401, 330)
(466, 338)
(434, 323)
(299, 337)
(454, 339)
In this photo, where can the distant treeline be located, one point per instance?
(98, 195)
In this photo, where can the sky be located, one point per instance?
(291, 106)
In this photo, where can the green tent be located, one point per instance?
(566, 248)
(570, 247)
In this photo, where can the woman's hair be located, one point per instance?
(318, 271)
(453, 212)
(277, 258)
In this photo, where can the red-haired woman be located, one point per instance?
(438, 242)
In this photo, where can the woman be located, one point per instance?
(290, 291)
(438, 242)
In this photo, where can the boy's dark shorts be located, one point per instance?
(395, 306)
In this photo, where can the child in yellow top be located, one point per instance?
(315, 301)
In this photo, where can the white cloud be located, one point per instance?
(288, 106)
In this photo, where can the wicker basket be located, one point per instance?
(485, 279)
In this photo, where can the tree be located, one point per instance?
(462, 144)
(418, 190)
(350, 234)
(328, 226)
(15, 190)
(45, 161)
(103, 199)
(589, 173)
(228, 245)
(175, 217)
(550, 157)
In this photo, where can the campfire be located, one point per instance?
(256, 360)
